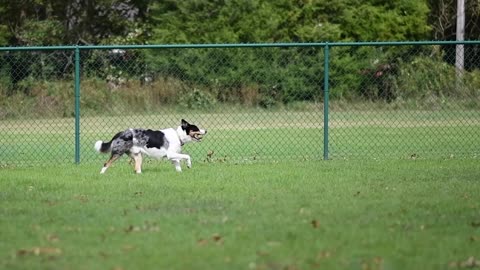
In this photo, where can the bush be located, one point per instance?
(197, 99)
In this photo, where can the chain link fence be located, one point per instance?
(259, 102)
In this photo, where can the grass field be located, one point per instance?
(253, 135)
(401, 191)
(401, 214)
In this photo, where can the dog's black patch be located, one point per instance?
(155, 138)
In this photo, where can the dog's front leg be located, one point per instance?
(176, 157)
(176, 163)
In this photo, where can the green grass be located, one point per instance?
(401, 214)
(252, 135)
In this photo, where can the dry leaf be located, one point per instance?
(475, 224)
(474, 238)
(81, 198)
(202, 242)
(217, 238)
(52, 238)
(132, 228)
(37, 251)
(324, 254)
(262, 253)
(470, 263)
(127, 248)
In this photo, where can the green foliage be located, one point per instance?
(4, 35)
(428, 81)
(54, 22)
(37, 33)
(241, 21)
(257, 77)
(197, 99)
(385, 20)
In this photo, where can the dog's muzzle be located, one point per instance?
(198, 135)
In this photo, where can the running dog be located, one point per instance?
(154, 143)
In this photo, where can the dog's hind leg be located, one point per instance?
(138, 162)
(109, 162)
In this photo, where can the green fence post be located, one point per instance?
(77, 105)
(325, 100)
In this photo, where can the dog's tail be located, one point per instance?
(103, 147)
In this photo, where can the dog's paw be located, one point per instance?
(189, 163)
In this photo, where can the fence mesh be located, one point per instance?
(257, 103)
(407, 102)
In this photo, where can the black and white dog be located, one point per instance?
(154, 143)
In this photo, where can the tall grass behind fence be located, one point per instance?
(258, 101)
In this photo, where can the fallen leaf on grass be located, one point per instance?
(131, 228)
(262, 253)
(324, 254)
(147, 227)
(474, 238)
(375, 263)
(128, 248)
(216, 238)
(315, 224)
(273, 243)
(50, 202)
(202, 242)
(82, 198)
(37, 251)
(471, 262)
(52, 238)
(475, 224)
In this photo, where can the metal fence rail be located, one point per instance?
(259, 101)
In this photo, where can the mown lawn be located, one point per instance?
(259, 135)
(373, 214)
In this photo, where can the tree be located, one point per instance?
(57, 22)
(246, 21)
(443, 19)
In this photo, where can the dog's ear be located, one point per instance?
(184, 124)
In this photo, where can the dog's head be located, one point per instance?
(189, 132)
